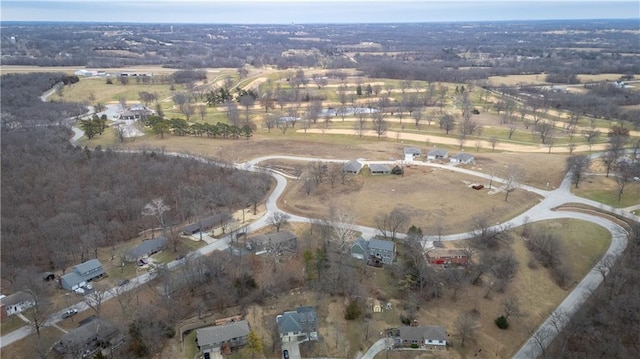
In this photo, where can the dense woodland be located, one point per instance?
(60, 203)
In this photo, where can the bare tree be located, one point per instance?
(511, 307)
(39, 293)
(202, 111)
(156, 208)
(513, 176)
(390, 223)
(342, 224)
(493, 140)
(95, 298)
(577, 167)
(121, 131)
(379, 124)
(278, 220)
(447, 123)
(466, 325)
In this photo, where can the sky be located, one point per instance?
(311, 11)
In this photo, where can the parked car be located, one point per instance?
(285, 354)
(123, 282)
(69, 313)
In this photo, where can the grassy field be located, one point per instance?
(605, 190)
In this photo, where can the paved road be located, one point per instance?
(542, 211)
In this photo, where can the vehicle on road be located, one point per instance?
(123, 282)
(285, 354)
(69, 313)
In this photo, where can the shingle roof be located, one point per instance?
(15, 298)
(280, 237)
(423, 332)
(446, 252)
(206, 222)
(88, 266)
(412, 150)
(463, 156)
(352, 166)
(437, 152)
(222, 333)
(147, 247)
(99, 329)
(381, 244)
(379, 167)
(362, 243)
(301, 320)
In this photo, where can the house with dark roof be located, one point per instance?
(146, 248)
(81, 274)
(462, 157)
(207, 223)
(278, 241)
(298, 325)
(423, 336)
(352, 167)
(437, 154)
(375, 251)
(222, 338)
(15, 303)
(381, 251)
(88, 339)
(379, 169)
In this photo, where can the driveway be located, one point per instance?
(293, 348)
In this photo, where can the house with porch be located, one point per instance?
(222, 338)
(298, 325)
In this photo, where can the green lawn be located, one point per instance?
(189, 345)
(609, 194)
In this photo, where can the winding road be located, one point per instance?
(544, 210)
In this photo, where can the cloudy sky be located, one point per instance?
(311, 11)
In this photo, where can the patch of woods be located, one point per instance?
(22, 105)
(608, 325)
(61, 204)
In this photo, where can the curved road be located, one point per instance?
(542, 211)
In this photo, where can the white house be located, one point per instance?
(15, 303)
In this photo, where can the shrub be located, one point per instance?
(405, 320)
(502, 322)
(353, 311)
(415, 346)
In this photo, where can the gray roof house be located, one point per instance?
(206, 223)
(423, 335)
(462, 157)
(81, 274)
(84, 341)
(379, 169)
(277, 241)
(146, 248)
(15, 303)
(360, 249)
(382, 251)
(352, 167)
(298, 325)
(222, 337)
(437, 154)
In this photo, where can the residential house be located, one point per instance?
(298, 325)
(381, 251)
(360, 249)
(81, 274)
(207, 223)
(437, 154)
(374, 251)
(15, 303)
(146, 248)
(278, 241)
(447, 256)
(379, 169)
(222, 338)
(462, 157)
(352, 167)
(410, 153)
(422, 336)
(135, 112)
(88, 339)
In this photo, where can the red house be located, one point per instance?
(447, 256)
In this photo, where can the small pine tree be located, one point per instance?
(502, 322)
